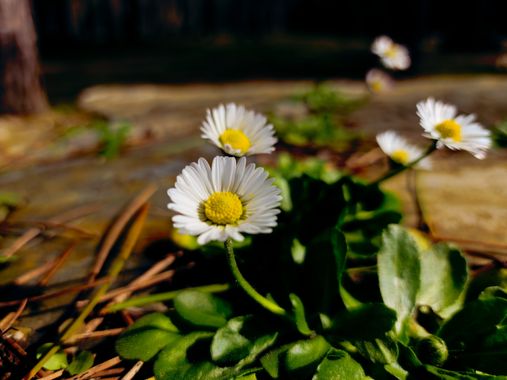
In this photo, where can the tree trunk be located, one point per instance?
(20, 87)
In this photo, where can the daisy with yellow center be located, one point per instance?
(238, 131)
(224, 201)
(378, 81)
(442, 123)
(392, 55)
(400, 151)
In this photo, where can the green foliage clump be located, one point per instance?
(323, 122)
(359, 293)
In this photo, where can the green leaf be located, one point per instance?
(260, 345)
(10, 200)
(490, 354)
(298, 252)
(303, 357)
(475, 321)
(319, 206)
(477, 336)
(82, 362)
(338, 365)
(356, 323)
(444, 374)
(271, 361)
(5, 259)
(172, 362)
(54, 363)
(398, 271)
(299, 315)
(250, 376)
(493, 292)
(202, 309)
(146, 337)
(383, 351)
(323, 267)
(228, 345)
(443, 278)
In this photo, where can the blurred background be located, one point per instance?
(85, 42)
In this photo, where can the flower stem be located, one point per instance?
(245, 285)
(410, 165)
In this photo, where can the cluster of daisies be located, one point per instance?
(393, 56)
(441, 123)
(230, 197)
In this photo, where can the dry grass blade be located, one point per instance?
(57, 264)
(133, 371)
(127, 290)
(93, 324)
(151, 277)
(9, 319)
(56, 293)
(94, 335)
(59, 219)
(109, 372)
(96, 369)
(118, 226)
(145, 277)
(117, 265)
(131, 236)
(30, 275)
(54, 375)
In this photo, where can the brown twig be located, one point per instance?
(34, 273)
(127, 317)
(70, 289)
(133, 371)
(147, 279)
(57, 264)
(46, 225)
(108, 372)
(94, 335)
(151, 277)
(98, 368)
(15, 346)
(117, 227)
(34, 232)
(9, 319)
(54, 375)
(93, 324)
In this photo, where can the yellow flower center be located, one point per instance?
(376, 86)
(236, 139)
(449, 129)
(392, 51)
(223, 207)
(400, 156)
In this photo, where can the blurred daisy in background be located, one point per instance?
(501, 61)
(392, 55)
(378, 81)
(238, 131)
(401, 151)
(441, 122)
(225, 200)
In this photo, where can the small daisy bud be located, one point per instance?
(432, 350)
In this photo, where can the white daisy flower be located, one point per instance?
(393, 56)
(457, 132)
(400, 151)
(224, 200)
(378, 81)
(238, 131)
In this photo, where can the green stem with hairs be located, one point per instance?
(410, 165)
(245, 285)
